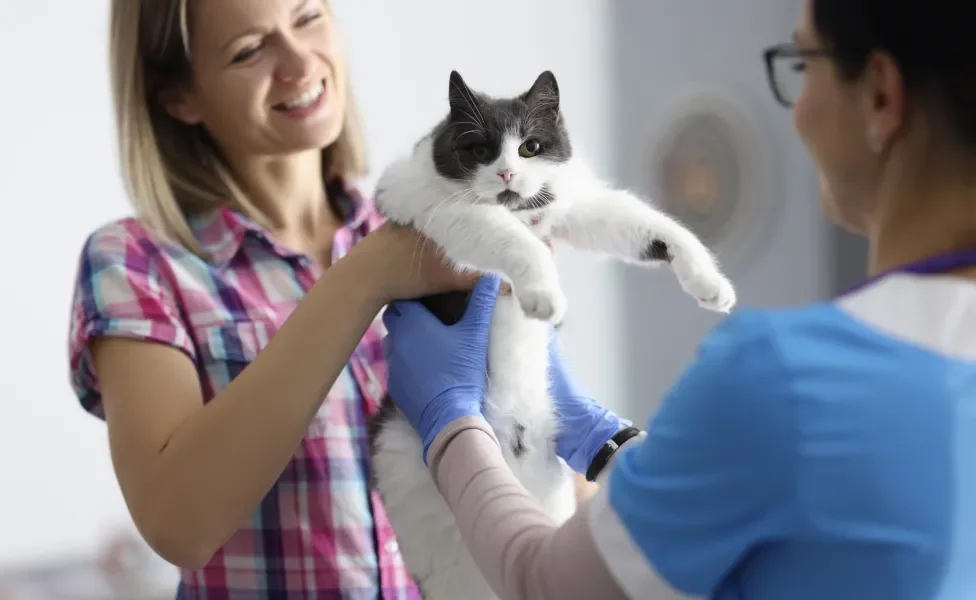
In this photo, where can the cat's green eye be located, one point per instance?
(480, 151)
(529, 148)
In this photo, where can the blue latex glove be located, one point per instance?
(437, 372)
(584, 425)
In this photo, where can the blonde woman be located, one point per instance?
(208, 330)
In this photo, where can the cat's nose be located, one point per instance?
(506, 175)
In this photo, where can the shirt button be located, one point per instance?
(374, 389)
(391, 546)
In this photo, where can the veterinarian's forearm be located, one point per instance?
(515, 544)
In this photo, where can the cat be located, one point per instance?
(493, 184)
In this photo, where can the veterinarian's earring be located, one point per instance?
(874, 141)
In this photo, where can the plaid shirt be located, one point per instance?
(319, 532)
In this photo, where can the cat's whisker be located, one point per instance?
(469, 132)
(469, 100)
(474, 119)
(472, 123)
(432, 212)
(425, 240)
(452, 200)
(458, 196)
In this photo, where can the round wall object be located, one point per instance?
(708, 168)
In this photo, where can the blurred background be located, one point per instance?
(632, 75)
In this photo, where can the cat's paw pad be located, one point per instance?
(544, 303)
(712, 290)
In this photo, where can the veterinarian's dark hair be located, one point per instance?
(933, 42)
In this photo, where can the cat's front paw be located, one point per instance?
(712, 290)
(546, 303)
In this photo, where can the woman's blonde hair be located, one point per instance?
(172, 170)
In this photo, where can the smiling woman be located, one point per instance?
(288, 83)
(248, 82)
(227, 333)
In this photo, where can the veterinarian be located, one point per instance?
(244, 461)
(825, 451)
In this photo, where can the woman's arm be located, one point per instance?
(583, 488)
(192, 473)
(514, 542)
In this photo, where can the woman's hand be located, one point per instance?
(402, 264)
(584, 425)
(438, 373)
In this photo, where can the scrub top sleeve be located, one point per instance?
(715, 476)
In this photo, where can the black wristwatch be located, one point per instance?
(607, 450)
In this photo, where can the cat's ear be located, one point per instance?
(544, 92)
(461, 99)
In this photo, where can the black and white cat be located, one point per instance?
(492, 184)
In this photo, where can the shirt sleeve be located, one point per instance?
(716, 476)
(513, 541)
(119, 291)
(374, 219)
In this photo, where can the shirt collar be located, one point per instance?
(223, 232)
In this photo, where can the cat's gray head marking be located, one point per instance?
(506, 149)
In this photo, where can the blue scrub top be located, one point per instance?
(826, 452)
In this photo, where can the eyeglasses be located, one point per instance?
(785, 65)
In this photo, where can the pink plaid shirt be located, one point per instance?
(320, 532)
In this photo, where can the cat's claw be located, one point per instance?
(543, 303)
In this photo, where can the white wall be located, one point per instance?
(59, 181)
(788, 261)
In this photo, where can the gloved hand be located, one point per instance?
(584, 425)
(437, 372)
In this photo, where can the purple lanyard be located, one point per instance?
(934, 264)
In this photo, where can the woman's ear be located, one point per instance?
(884, 101)
(181, 105)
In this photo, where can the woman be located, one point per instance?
(227, 335)
(826, 451)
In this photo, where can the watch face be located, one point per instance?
(707, 171)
